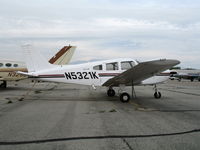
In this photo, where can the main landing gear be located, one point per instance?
(111, 92)
(3, 85)
(124, 97)
(157, 94)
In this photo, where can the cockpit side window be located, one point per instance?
(125, 65)
(98, 67)
(112, 66)
(1, 64)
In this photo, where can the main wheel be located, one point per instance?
(111, 92)
(4, 84)
(157, 95)
(124, 97)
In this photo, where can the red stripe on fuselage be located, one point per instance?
(52, 75)
(108, 74)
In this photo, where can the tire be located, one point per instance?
(157, 95)
(4, 84)
(124, 97)
(111, 92)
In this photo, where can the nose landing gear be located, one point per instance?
(157, 94)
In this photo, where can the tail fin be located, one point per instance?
(34, 60)
(64, 56)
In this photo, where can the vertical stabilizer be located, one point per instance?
(34, 60)
(64, 56)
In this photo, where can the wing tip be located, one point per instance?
(174, 61)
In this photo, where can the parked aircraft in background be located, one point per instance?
(190, 74)
(8, 68)
(110, 73)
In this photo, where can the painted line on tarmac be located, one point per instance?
(97, 137)
(180, 92)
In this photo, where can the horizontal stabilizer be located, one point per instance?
(26, 74)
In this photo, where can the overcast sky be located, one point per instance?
(103, 29)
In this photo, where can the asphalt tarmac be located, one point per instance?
(73, 117)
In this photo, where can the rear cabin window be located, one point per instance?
(8, 65)
(15, 65)
(1, 65)
(125, 65)
(99, 67)
(112, 66)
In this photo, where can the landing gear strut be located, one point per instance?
(157, 94)
(3, 85)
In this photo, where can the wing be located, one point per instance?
(141, 72)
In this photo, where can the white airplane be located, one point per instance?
(109, 73)
(191, 74)
(8, 68)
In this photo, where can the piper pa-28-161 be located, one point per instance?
(8, 68)
(109, 73)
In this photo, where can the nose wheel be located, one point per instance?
(157, 94)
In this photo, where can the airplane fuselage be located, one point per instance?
(95, 73)
(8, 70)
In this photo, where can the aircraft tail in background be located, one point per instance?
(34, 60)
